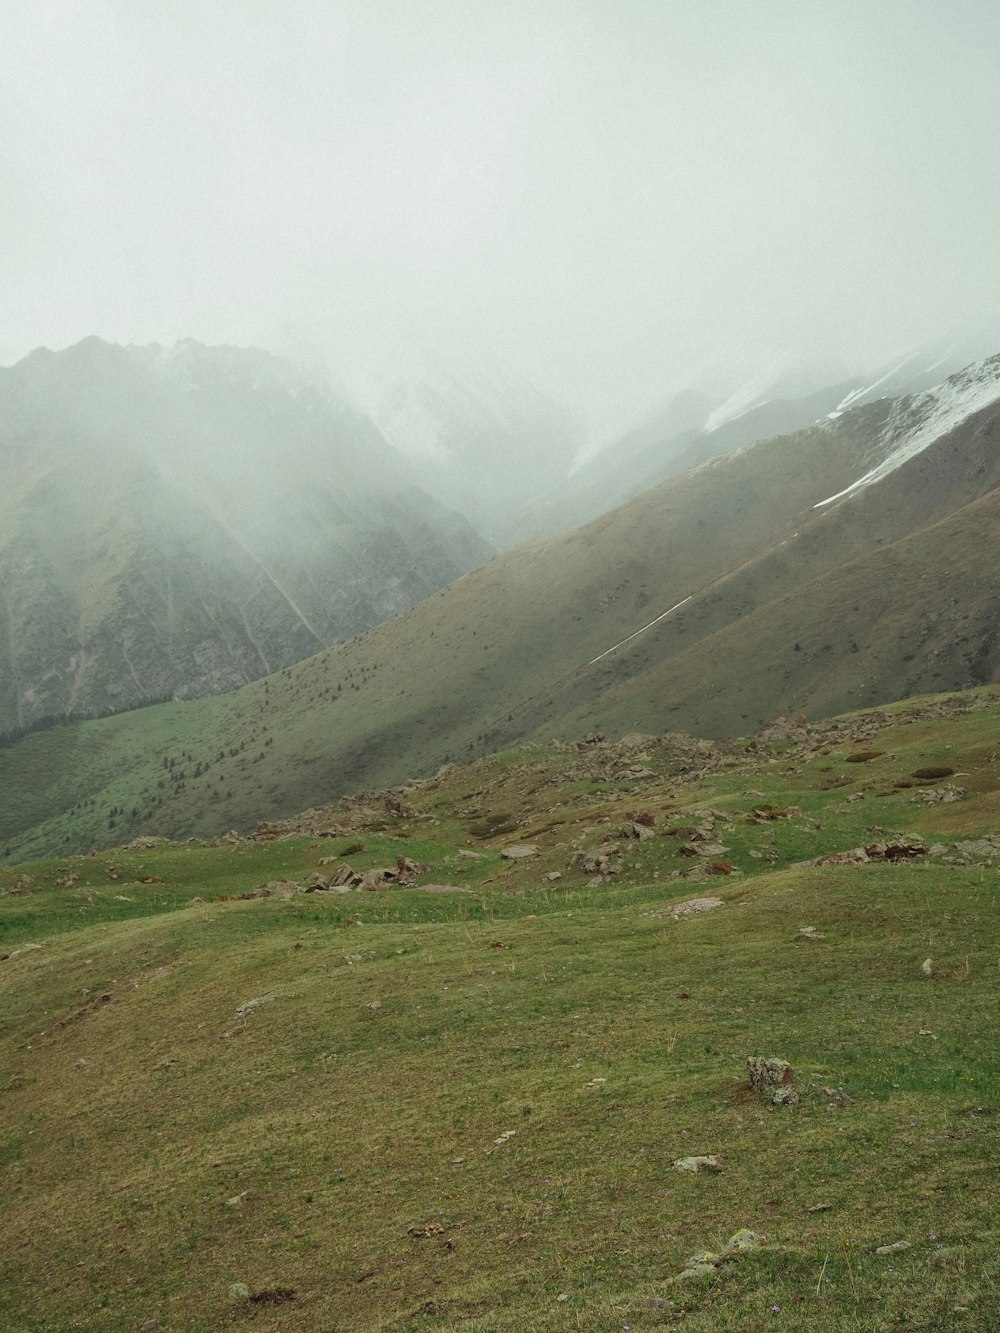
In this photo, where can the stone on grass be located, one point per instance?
(766, 1072)
(239, 1291)
(518, 851)
(742, 1241)
(695, 1165)
(785, 1097)
(705, 1263)
(895, 1248)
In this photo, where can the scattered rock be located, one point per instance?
(694, 905)
(602, 862)
(833, 1094)
(896, 1248)
(898, 849)
(901, 848)
(943, 795)
(705, 1262)
(635, 830)
(24, 948)
(239, 1291)
(378, 879)
(785, 1097)
(406, 869)
(248, 1006)
(762, 814)
(854, 856)
(519, 851)
(927, 967)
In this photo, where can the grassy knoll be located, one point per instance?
(460, 1110)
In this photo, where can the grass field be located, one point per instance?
(461, 1110)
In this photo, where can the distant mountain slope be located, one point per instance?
(498, 451)
(693, 427)
(782, 602)
(182, 521)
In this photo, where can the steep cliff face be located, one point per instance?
(180, 522)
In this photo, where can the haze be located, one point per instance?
(602, 198)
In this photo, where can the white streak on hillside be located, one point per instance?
(629, 639)
(933, 414)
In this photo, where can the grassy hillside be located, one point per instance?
(413, 1108)
(880, 601)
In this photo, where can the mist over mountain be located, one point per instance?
(844, 565)
(720, 412)
(178, 521)
(495, 447)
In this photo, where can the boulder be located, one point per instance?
(766, 1073)
(519, 851)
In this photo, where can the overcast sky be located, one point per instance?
(598, 194)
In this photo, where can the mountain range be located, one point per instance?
(846, 564)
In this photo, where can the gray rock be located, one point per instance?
(766, 1072)
(519, 851)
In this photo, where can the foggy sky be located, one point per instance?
(600, 195)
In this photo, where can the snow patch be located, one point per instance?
(921, 420)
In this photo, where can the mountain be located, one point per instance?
(742, 589)
(375, 1068)
(175, 522)
(792, 393)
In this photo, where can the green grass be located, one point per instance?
(355, 1113)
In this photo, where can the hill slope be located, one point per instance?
(182, 521)
(377, 1110)
(521, 645)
